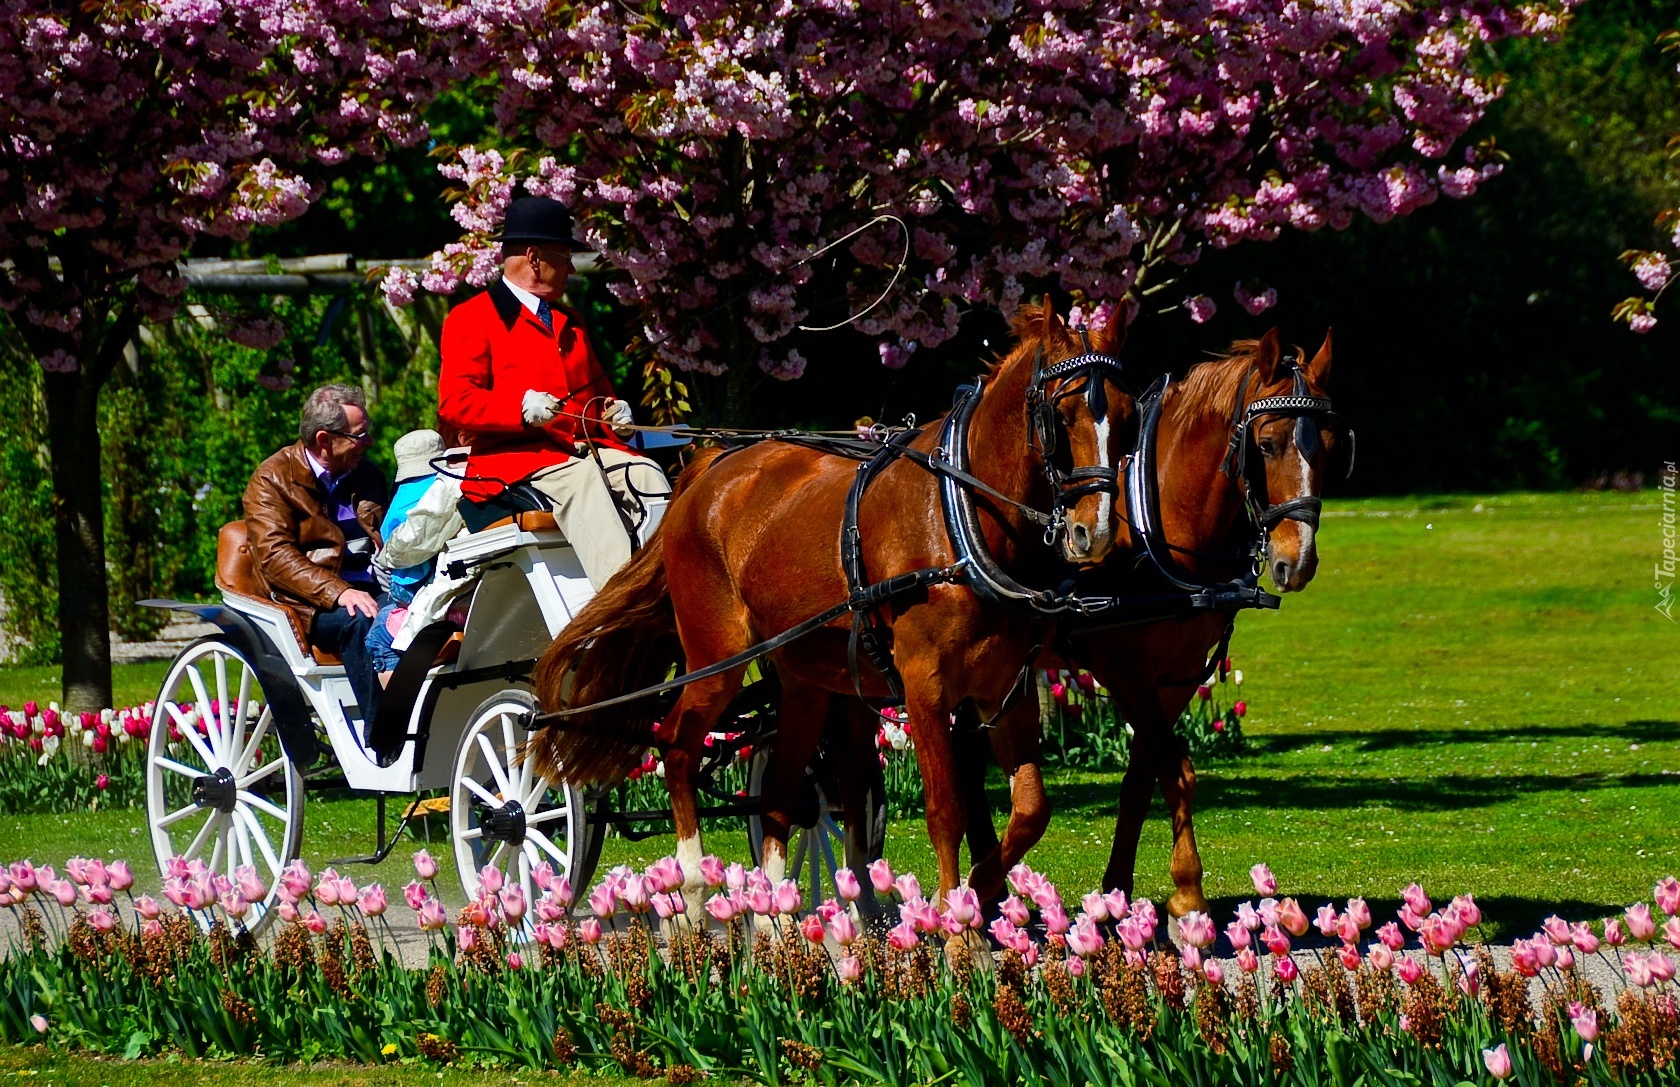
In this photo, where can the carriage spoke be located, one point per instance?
(494, 859)
(471, 834)
(546, 845)
(223, 719)
(262, 772)
(253, 746)
(547, 816)
(205, 715)
(262, 804)
(481, 792)
(243, 717)
(496, 770)
(177, 768)
(190, 733)
(177, 815)
(509, 746)
(274, 864)
(221, 845)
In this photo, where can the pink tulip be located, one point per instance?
(1248, 918)
(1565, 958)
(76, 869)
(843, 929)
(1055, 919)
(902, 937)
(663, 906)
(1671, 931)
(1523, 958)
(39, 1022)
(326, 891)
(786, 897)
(1470, 981)
(711, 872)
(637, 894)
(557, 937)
(513, 903)
(372, 900)
(1131, 934)
(1584, 1020)
(1287, 970)
(489, 879)
(1410, 970)
(315, 923)
(432, 915)
(249, 884)
(1468, 911)
(1380, 956)
(65, 892)
(425, 865)
(1613, 934)
(1096, 907)
(589, 930)
(1197, 929)
(1276, 942)
(846, 883)
(1083, 939)
(1347, 929)
(1416, 900)
(602, 901)
(347, 893)
(152, 930)
(1349, 955)
(1292, 918)
(1544, 953)
(466, 937)
(100, 894)
(1498, 1061)
(735, 877)
(964, 906)
(758, 900)
(1192, 956)
(1239, 936)
(542, 875)
(1115, 903)
(1661, 966)
(1639, 923)
(1265, 884)
(1327, 920)
(1556, 929)
(1015, 910)
(665, 874)
(1582, 936)
(1391, 936)
(414, 893)
(1359, 912)
(722, 908)
(1247, 961)
(1268, 912)
(296, 880)
(561, 891)
(812, 928)
(235, 906)
(1210, 971)
(1667, 894)
(923, 915)
(514, 961)
(848, 969)
(23, 874)
(907, 886)
(1412, 921)
(101, 920)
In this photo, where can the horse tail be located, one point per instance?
(621, 641)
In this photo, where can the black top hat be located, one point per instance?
(537, 219)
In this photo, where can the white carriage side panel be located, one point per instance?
(506, 622)
(558, 583)
(656, 508)
(450, 718)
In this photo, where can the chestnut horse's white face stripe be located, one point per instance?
(1105, 500)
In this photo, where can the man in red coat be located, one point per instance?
(524, 388)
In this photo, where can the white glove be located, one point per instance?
(539, 408)
(617, 415)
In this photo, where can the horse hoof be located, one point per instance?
(968, 949)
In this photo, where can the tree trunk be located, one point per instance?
(84, 605)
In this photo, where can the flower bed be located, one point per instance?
(773, 992)
(58, 762)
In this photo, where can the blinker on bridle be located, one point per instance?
(1072, 485)
(1308, 411)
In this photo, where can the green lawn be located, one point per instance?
(131, 684)
(1475, 692)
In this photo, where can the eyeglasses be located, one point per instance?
(360, 439)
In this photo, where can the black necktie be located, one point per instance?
(545, 314)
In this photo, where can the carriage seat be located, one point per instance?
(236, 575)
(529, 521)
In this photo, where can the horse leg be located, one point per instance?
(946, 819)
(857, 770)
(1137, 789)
(973, 756)
(799, 725)
(701, 704)
(1019, 742)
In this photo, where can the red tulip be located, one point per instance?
(1240, 709)
(103, 781)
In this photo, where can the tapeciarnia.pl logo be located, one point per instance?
(1665, 569)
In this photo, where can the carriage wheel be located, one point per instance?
(503, 813)
(218, 785)
(816, 852)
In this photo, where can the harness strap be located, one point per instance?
(867, 627)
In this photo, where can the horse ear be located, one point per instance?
(1110, 337)
(1051, 327)
(1318, 370)
(1266, 357)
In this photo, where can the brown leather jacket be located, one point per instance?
(296, 546)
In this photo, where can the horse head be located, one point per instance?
(1284, 441)
(1080, 423)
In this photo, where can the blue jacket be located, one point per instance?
(406, 581)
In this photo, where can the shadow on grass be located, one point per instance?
(1270, 792)
(1638, 732)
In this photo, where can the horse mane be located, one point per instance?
(1027, 329)
(1210, 388)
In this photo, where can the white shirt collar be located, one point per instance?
(526, 298)
(327, 478)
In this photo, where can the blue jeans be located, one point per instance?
(379, 649)
(337, 631)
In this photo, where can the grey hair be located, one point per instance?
(324, 410)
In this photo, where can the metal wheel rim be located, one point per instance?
(554, 823)
(812, 859)
(212, 682)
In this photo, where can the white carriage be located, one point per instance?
(227, 759)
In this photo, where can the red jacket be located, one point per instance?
(494, 349)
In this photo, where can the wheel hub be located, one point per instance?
(503, 824)
(218, 790)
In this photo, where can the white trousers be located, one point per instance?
(596, 511)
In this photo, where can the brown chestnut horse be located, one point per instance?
(1213, 498)
(750, 547)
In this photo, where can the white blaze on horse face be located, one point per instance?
(1304, 532)
(1105, 500)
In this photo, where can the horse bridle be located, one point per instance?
(1046, 426)
(1308, 411)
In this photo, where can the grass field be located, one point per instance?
(1475, 692)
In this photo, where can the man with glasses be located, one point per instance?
(312, 515)
(520, 384)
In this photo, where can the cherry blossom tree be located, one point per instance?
(127, 129)
(712, 147)
(1653, 268)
